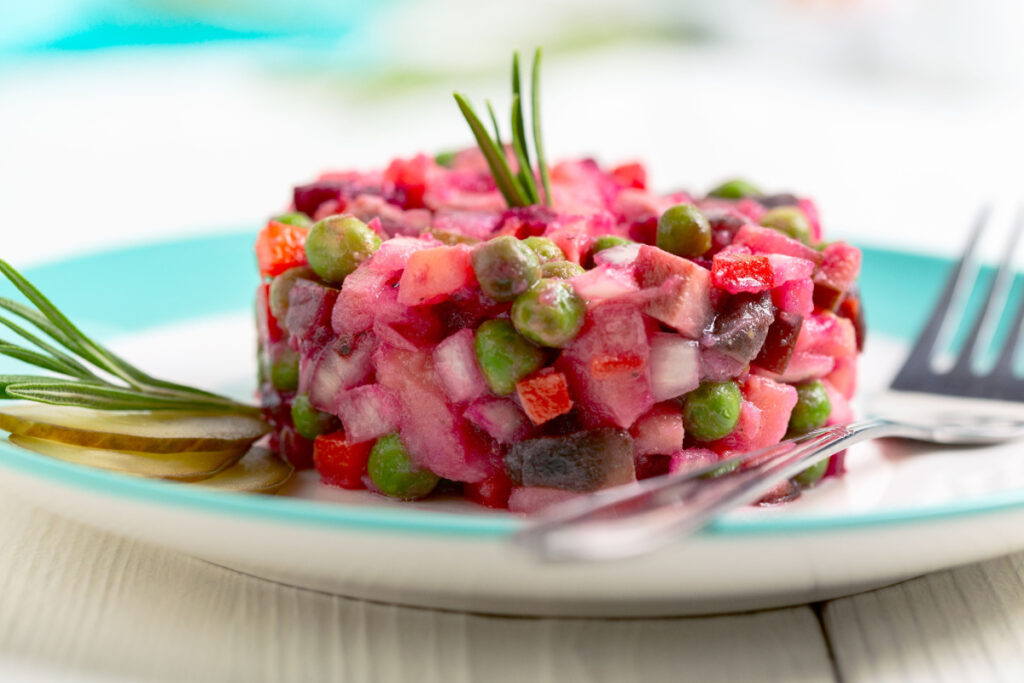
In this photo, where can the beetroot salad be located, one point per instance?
(418, 334)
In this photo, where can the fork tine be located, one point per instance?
(1004, 364)
(920, 358)
(990, 307)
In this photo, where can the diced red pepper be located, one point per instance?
(544, 397)
(339, 462)
(602, 367)
(279, 247)
(492, 492)
(630, 175)
(738, 272)
(410, 180)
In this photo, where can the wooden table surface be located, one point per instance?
(83, 605)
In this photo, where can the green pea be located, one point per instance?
(310, 422)
(505, 267)
(722, 470)
(812, 408)
(712, 410)
(505, 356)
(296, 218)
(446, 159)
(545, 249)
(550, 313)
(735, 189)
(337, 245)
(561, 269)
(684, 231)
(813, 474)
(790, 221)
(284, 369)
(607, 242)
(281, 285)
(395, 474)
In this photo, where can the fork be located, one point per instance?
(956, 406)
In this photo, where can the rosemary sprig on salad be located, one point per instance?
(80, 360)
(519, 188)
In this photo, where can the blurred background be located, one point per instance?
(137, 121)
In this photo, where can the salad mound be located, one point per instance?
(416, 332)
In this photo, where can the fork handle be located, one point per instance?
(632, 520)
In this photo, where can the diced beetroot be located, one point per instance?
(526, 221)
(744, 436)
(544, 396)
(810, 210)
(652, 465)
(492, 492)
(852, 309)
(295, 448)
(803, 366)
(337, 190)
(457, 367)
(473, 224)
(691, 459)
(781, 341)
(269, 329)
(575, 234)
(737, 335)
(391, 220)
(604, 283)
(659, 430)
(468, 307)
(842, 412)
(431, 275)
(607, 365)
(836, 465)
(581, 462)
(359, 301)
(310, 306)
(630, 175)
(500, 418)
(682, 299)
(735, 271)
(675, 366)
(431, 428)
(828, 334)
(844, 376)
(795, 296)
(407, 327)
(775, 401)
(339, 462)
(761, 240)
(789, 268)
(279, 247)
(530, 499)
(840, 266)
(367, 412)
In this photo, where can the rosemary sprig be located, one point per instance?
(81, 386)
(520, 188)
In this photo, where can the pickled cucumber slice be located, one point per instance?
(260, 471)
(158, 431)
(185, 466)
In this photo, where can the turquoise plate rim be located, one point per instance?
(81, 286)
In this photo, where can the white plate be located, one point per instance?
(902, 510)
